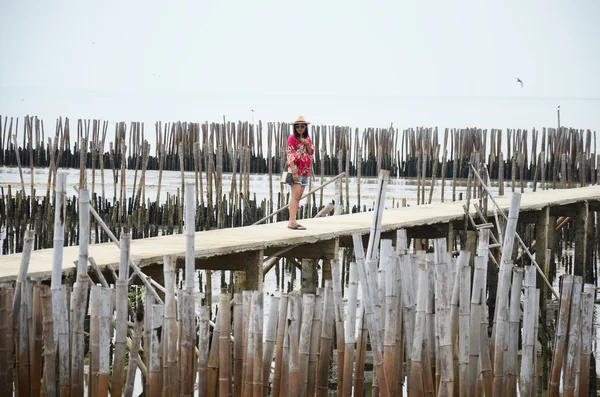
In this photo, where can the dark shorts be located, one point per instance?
(302, 180)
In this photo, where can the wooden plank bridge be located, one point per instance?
(244, 248)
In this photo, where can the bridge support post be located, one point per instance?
(309, 276)
(251, 279)
(581, 241)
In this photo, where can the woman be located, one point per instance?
(299, 158)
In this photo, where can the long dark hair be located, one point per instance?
(297, 135)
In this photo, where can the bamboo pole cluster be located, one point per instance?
(425, 315)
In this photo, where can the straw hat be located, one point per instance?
(300, 120)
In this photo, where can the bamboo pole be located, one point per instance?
(270, 338)
(315, 343)
(170, 333)
(118, 373)
(338, 308)
(104, 342)
(238, 347)
(22, 343)
(587, 310)
(49, 345)
(203, 338)
(513, 332)
(154, 368)
(560, 341)
(529, 310)
(349, 330)
(224, 346)
(78, 337)
(281, 325)
(94, 341)
(388, 263)
(23, 269)
(415, 380)
(133, 356)
(446, 387)
(325, 345)
(294, 319)
(574, 335)
(5, 306)
(308, 311)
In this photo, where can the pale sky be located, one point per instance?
(363, 63)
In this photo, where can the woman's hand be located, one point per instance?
(304, 141)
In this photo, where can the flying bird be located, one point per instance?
(519, 81)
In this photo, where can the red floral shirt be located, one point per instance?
(297, 154)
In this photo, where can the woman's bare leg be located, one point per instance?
(295, 202)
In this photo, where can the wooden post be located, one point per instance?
(309, 283)
(254, 271)
(581, 242)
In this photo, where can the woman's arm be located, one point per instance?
(308, 145)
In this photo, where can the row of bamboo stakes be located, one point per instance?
(552, 155)
(425, 316)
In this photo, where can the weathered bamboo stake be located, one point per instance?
(59, 302)
(574, 336)
(281, 325)
(238, 347)
(154, 368)
(22, 343)
(368, 294)
(18, 157)
(187, 340)
(464, 333)
(203, 338)
(325, 345)
(248, 340)
(104, 342)
(224, 346)
(560, 341)
(587, 310)
(415, 379)
(315, 343)
(294, 319)
(338, 308)
(349, 330)
(446, 387)
(49, 345)
(257, 301)
(5, 308)
(511, 363)
(23, 269)
(169, 333)
(135, 348)
(529, 310)
(308, 312)
(388, 262)
(477, 299)
(118, 373)
(94, 340)
(270, 338)
(408, 296)
(257, 319)
(77, 333)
